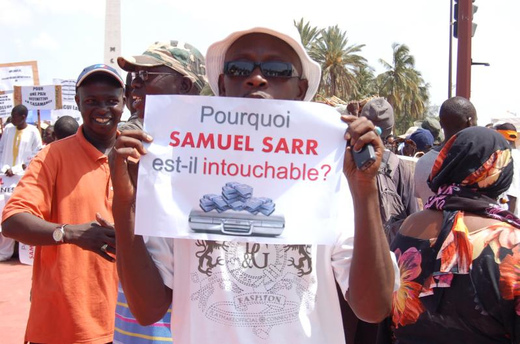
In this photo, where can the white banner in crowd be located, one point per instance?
(15, 75)
(6, 104)
(26, 254)
(7, 185)
(68, 92)
(243, 169)
(46, 97)
(69, 106)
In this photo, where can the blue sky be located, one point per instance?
(64, 36)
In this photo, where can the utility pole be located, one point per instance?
(464, 33)
(450, 51)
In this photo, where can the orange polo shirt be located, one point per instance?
(74, 291)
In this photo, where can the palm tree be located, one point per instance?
(308, 34)
(339, 63)
(403, 87)
(366, 83)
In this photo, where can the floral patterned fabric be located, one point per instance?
(461, 287)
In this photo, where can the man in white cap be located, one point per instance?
(58, 206)
(262, 304)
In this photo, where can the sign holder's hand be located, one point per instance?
(361, 132)
(123, 161)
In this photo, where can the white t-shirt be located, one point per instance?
(234, 292)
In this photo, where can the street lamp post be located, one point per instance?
(450, 51)
(465, 28)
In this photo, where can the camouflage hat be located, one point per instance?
(180, 56)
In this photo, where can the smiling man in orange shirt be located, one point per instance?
(54, 207)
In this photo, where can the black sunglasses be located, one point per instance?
(271, 69)
(145, 75)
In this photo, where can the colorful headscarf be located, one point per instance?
(471, 171)
(507, 130)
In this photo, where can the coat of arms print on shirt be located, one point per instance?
(252, 285)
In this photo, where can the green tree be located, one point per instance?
(339, 62)
(366, 83)
(308, 33)
(346, 74)
(404, 88)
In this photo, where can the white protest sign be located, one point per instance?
(46, 97)
(6, 104)
(68, 92)
(69, 106)
(11, 75)
(7, 185)
(26, 254)
(243, 169)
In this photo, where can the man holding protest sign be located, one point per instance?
(170, 67)
(58, 206)
(252, 292)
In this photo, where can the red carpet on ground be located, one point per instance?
(15, 286)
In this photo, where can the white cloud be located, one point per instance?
(21, 12)
(44, 41)
(14, 13)
(19, 44)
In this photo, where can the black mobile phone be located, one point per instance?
(364, 157)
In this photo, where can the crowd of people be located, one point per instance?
(430, 253)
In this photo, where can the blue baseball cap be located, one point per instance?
(99, 68)
(423, 139)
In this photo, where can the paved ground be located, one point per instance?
(15, 285)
